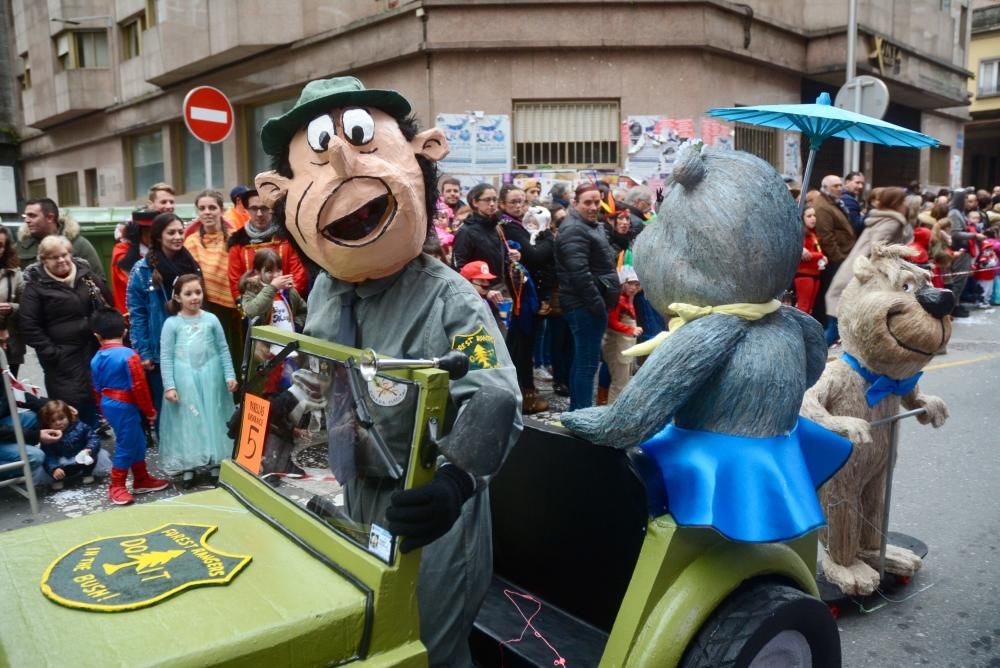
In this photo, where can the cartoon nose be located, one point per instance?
(341, 156)
(935, 301)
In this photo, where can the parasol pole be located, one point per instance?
(806, 176)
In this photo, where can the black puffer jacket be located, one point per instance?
(478, 239)
(585, 267)
(545, 255)
(538, 259)
(55, 322)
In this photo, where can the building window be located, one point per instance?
(82, 49)
(24, 78)
(68, 189)
(131, 36)
(152, 18)
(90, 183)
(36, 189)
(260, 161)
(193, 159)
(987, 80)
(145, 154)
(566, 134)
(761, 141)
(940, 172)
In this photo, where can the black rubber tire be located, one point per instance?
(755, 614)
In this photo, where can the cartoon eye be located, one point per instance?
(319, 131)
(359, 126)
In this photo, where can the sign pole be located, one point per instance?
(852, 63)
(208, 165)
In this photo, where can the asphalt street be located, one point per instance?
(949, 614)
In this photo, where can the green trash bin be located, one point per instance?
(97, 224)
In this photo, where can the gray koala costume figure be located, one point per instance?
(717, 402)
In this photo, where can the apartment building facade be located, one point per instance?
(102, 81)
(982, 133)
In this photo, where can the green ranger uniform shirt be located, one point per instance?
(424, 311)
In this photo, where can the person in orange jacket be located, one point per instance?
(262, 232)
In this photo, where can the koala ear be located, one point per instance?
(863, 269)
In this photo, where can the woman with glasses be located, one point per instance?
(60, 294)
(260, 233)
(479, 238)
(521, 281)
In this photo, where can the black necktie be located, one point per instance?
(347, 334)
(340, 418)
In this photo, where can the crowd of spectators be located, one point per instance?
(179, 285)
(955, 234)
(555, 271)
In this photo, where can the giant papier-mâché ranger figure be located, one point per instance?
(354, 184)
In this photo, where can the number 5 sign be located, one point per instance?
(253, 430)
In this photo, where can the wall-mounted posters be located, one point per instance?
(479, 143)
(652, 144)
(716, 133)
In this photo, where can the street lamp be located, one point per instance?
(109, 24)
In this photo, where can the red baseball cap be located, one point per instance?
(476, 270)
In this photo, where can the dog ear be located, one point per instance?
(863, 269)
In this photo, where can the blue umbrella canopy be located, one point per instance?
(823, 120)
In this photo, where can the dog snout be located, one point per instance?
(936, 301)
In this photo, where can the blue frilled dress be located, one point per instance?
(751, 490)
(194, 360)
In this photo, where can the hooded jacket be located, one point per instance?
(55, 321)
(585, 266)
(880, 225)
(27, 245)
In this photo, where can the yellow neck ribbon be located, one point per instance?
(688, 312)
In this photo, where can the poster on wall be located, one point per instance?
(479, 143)
(956, 170)
(652, 144)
(8, 192)
(716, 133)
(792, 157)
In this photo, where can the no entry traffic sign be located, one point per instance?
(208, 114)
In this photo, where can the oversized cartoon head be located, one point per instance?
(351, 177)
(727, 232)
(890, 317)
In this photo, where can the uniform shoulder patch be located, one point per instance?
(479, 346)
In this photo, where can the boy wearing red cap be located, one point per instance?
(478, 273)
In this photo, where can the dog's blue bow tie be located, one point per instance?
(879, 386)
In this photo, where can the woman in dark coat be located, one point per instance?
(60, 293)
(11, 288)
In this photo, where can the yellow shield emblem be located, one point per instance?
(136, 570)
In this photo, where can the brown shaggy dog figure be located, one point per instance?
(891, 321)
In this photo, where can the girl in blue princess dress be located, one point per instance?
(198, 382)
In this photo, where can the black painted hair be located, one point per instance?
(107, 323)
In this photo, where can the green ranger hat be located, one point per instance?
(320, 96)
